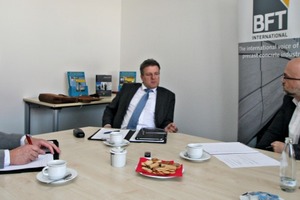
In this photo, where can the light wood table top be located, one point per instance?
(97, 179)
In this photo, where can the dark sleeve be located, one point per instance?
(116, 110)
(110, 111)
(170, 114)
(278, 129)
(297, 151)
(165, 108)
(9, 141)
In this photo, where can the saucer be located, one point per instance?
(45, 179)
(204, 157)
(124, 143)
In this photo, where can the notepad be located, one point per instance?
(104, 133)
(40, 162)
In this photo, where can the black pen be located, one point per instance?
(107, 132)
(269, 147)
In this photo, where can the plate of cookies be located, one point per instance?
(157, 168)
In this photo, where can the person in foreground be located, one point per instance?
(15, 150)
(286, 123)
(158, 111)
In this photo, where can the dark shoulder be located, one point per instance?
(288, 100)
(128, 86)
(165, 90)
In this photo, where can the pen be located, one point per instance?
(107, 132)
(28, 138)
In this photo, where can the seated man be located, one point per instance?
(286, 123)
(156, 111)
(15, 150)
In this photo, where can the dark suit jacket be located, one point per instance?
(279, 128)
(116, 110)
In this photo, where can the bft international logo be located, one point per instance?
(270, 15)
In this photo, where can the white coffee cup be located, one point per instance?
(194, 150)
(55, 169)
(118, 157)
(116, 138)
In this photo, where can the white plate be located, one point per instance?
(204, 157)
(45, 179)
(124, 143)
(161, 177)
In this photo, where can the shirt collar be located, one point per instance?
(144, 87)
(296, 102)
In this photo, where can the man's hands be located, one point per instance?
(24, 154)
(277, 146)
(171, 128)
(44, 143)
(107, 126)
(27, 153)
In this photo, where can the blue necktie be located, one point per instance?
(138, 110)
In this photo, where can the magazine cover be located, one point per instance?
(126, 77)
(104, 85)
(77, 84)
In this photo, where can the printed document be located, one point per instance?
(238, 155)
(247, 160)
(227, 148)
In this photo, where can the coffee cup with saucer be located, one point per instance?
(56, 172)
(116, 138)
(194, 152)
(55, 169)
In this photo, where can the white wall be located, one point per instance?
(194, 41)
(196, 44)
(42, 40)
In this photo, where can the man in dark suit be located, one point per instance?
(158, 111)
(286, 123)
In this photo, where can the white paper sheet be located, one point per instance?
(238, 155)
(103, 133)
(40, 162)
(247, 160)
(227, 148)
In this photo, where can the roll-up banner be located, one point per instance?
(269, 36)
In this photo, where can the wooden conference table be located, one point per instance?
(97, 179)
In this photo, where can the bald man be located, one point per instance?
(287, 121)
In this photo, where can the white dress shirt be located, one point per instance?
(294, 125)
(147, 116)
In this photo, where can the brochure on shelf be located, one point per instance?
(103, 85)
(77, 84)
(126, 77)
